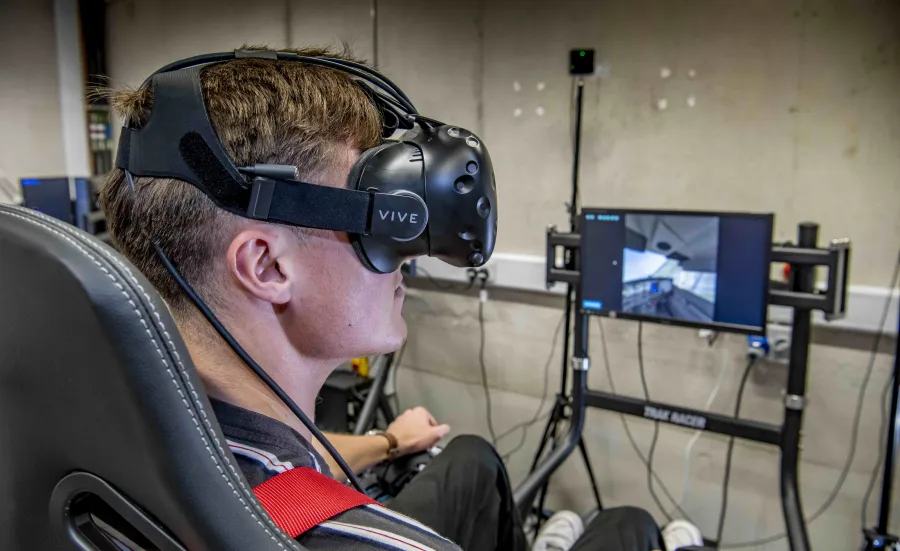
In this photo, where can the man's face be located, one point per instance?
(339, 309)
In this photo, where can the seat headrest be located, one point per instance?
(95, 378)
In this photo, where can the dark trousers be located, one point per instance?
(465, 496)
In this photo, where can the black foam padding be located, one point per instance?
(353, 183)
(212, 176)
(361, 254)
(178, 142)
(392, 168)
(360, 166)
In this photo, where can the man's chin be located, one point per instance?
(399, 335)
(389, 342)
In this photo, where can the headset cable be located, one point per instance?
(728, 455)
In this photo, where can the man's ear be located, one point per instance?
(256, 260)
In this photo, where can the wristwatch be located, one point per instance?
(393, 445)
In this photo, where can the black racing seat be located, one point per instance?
(104, 426)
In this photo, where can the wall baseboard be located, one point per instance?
(527, 272)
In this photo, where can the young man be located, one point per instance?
(301, 303)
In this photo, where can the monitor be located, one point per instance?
(699, 269)
(48, 195)
(84, 202)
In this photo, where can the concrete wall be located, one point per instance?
(794, 101)
(795, 111)
(30, 135)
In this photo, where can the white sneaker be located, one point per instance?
(681, 533)
(559, 533)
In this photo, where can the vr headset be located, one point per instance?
(428, 191)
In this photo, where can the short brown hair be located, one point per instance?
(263, 111)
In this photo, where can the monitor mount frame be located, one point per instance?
(561, 411)
(801, 296)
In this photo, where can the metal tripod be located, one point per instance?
(561, 408)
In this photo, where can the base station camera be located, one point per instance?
(581, 62)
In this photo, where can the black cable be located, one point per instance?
(634, 444)
(851, 453)
(640, 351)
(484, 377)
(728, 455)
(524, 425)
(360, 71)
(655, 439)
(239, 350)
(436, 283)
(650, 472)
(881, 450)
(395, 367)
(573, 109)
(375, 72)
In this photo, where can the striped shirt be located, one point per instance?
(264, 447)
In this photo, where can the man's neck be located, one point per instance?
(227, 378)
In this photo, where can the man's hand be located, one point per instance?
(416, 430)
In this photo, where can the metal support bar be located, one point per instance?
(800, 256)
(540, 474)
(807, 301)
(766, 433)
(559, 275)
(802, 297)
(529, 487)
(833, 300)
(802, 281)
(387, 410)
(590, 472)
(366, 419)
(567, 272)
(838, 279)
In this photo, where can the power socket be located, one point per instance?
(779, 337)
(775, 347)
(478, 276)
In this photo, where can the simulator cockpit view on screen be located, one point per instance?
(669, 266)
(688, 268)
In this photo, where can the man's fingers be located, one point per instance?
(440, 431)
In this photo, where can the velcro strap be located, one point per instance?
(403, 217)
(301, 498)
(124, 149)
(322, 207)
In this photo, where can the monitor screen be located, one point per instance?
(48, 195)
(687, 268)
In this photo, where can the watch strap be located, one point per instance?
(393, 444)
